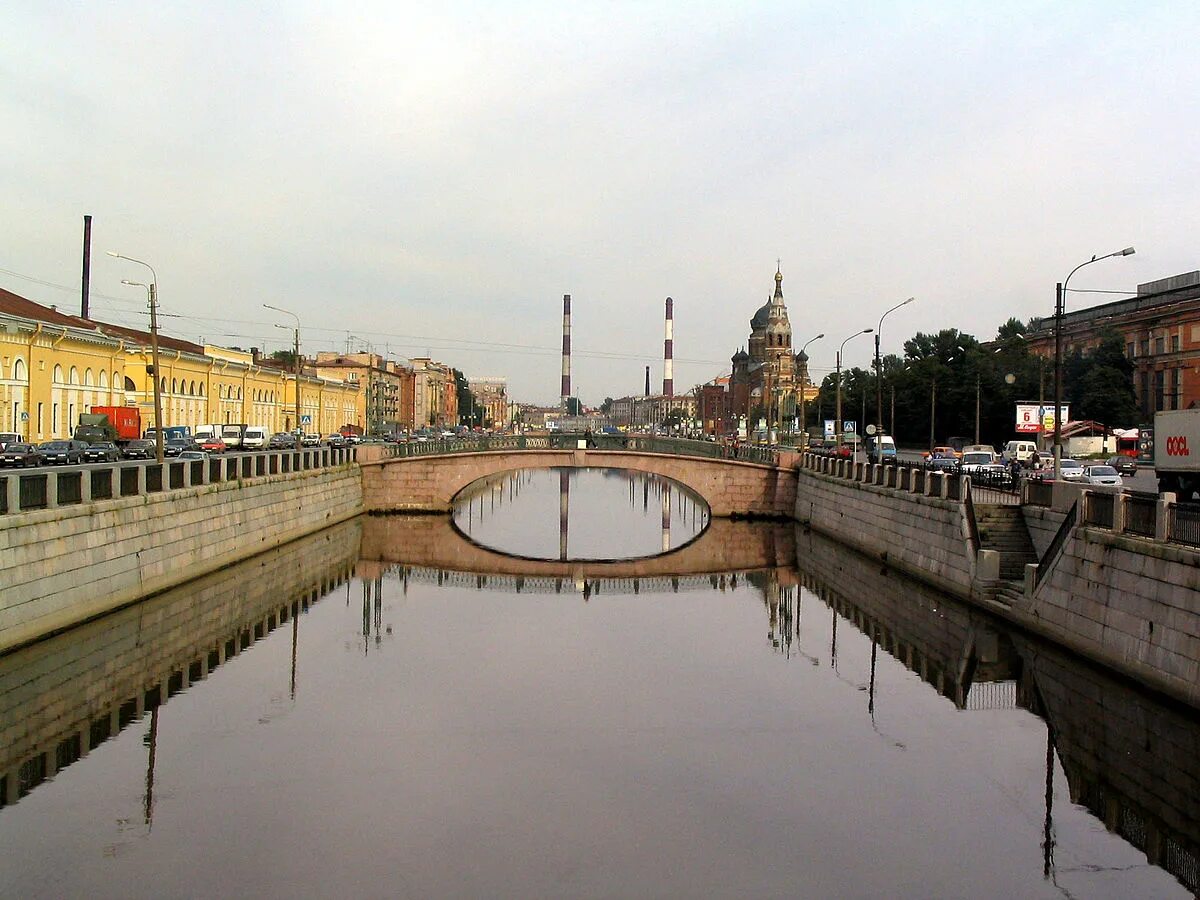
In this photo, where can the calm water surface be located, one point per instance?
(342, 726)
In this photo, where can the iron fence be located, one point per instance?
(755, 453)
(1040, 493)
(1141, 511)
(32, 491)
(69, 488)
(1098, 510)
(1185, 524)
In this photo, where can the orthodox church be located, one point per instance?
(765, 381)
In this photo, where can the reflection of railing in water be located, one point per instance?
(517, 584)
(127, 656)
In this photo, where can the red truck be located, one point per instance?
(110, 423)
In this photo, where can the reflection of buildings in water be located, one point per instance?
(1129, 758)
(64, 696)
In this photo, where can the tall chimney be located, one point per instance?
(566, 352)
(647, 381)
(87, 264)
(668, 377)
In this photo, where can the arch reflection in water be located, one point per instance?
(580, 514)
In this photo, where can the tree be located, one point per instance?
(287, 357)
(1101, 383)
(574, 407)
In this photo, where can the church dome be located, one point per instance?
(760, 319)
(741, 356)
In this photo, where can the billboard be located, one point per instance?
(1033, 418)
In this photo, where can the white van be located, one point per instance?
(1021, 451)
(206, 432)
(256, 438)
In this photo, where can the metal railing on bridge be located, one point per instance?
(49, 487)
(670, 446)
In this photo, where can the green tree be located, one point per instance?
(287, 357)
(1101, 383)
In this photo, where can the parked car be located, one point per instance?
(139, 449)
(310, 440)
(1072, 470)
(335, 440)
(177, 446)
(102, 451)
(213, 444)
(282, 441)
(979, 461)
(255, 438)
(63, 453)
(1125, 465)
(943, 463)
(940, 451)
(21, 455)
(1100, 475)
(193, 455)
(1021, 451)
(9, 437)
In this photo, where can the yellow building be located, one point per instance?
(56, 367)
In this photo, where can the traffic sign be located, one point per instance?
(24, 417)
(306, 420)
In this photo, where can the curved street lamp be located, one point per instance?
(152, 295)
(803, 385)
(1060, 302)
(879, 367)
(838, 413)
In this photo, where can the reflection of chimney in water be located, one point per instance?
(666, 516)
(564, 502)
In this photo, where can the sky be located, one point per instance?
(432, 178)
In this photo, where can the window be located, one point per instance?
(19, 371)
(1159, 345)
(1175, 343)
(1129, 348)
(87, 377)
(54, 419)
(1145, 346)
(74, 375)
(58, 374)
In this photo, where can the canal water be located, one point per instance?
(349, 715)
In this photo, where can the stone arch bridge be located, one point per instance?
(429, 482)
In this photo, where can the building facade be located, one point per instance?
(490, 396)
(1161, 331)
(56, 367)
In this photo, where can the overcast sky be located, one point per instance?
(434, 177)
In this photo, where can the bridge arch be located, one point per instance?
(731, 488)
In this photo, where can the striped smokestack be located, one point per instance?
(647, 381)
(668, 349)
(566, 354)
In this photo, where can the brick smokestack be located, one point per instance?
(668, 352)
(566, 351)
(87, 266)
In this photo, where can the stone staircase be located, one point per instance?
(1003, 529)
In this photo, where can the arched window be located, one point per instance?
(174, 386)
(202, 389)
(239, 393)
(162, 385)
(87, 377)
(58, 375)
(103, 378)
(74, 375)
(117, 379)
(129, 385)
(192, 388)
(19, 369)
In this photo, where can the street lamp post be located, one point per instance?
(152, 295)
(879, 367)
(296, 351)
(838, 378)
(1060, 303)
(803, 385)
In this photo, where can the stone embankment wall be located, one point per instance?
(1126, 601)
(924, 535)
(61, 697)
(63, 566)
